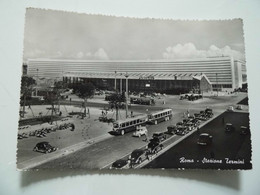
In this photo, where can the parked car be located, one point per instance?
(229, 127)
(230, 109)
(239, 107)
(244, 130)
(179, 124)
(121, 164)
(204, 139)
(186, 120)
(138, 156)
(159, 135)
(140, 131)
(154, 146)
(190, 126)
(171, 129)
(181, 130)
(209, 112)
(44, 147)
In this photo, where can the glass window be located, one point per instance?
(123, 124)
(127, 124)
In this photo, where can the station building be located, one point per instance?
(169, 76)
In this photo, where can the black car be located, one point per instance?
(44, 147)
(159, 135)
(171, 129)
(154, 146)
(121, 164)
(229, 127)
(179, 124)
(244, 130)
(209, 112)
(204, 139)
(138, 156)
(182, 130)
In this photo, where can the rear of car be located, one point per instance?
(159, 135)
(138, 156)
(204, 139)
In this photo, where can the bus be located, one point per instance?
(159, 116)
(130, 124)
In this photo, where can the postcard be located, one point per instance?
(107, 92)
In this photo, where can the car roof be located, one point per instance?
(204, 134)
(228, 123)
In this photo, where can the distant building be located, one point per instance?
(220, 73)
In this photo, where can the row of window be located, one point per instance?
(134, 122)
(161, 114)
(222, 86)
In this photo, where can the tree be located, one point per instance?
(86, 91)
(116, 101)
(27, 84)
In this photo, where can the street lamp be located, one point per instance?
(37, 82)
(217, 82)
(115, 81)
(121, 83)
(126, 93)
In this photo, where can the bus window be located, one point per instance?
(127, 124)
(123, 124)
(131, 122)
(138, 120)
(134, 122)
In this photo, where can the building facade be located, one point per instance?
(223, 73)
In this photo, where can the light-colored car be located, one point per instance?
(140, 131)
(239, 107)
(230, 109)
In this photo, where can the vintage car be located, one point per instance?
(229, 127)
(121, 164)
(44, 147)
(154, 146)
(159, 135)
(140, 131)
(204, 139)
(244, 130)
(138, 156)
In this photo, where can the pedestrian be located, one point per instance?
(88, 113)
(102, 113)
(132, 114)
(198, 130)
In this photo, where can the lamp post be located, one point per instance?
(37, 83)
(121, 83)
(115, 81)
(217, 82)
(126, 94)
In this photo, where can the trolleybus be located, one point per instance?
(159, 116)
(123, 126)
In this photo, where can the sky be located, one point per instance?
(65, 35)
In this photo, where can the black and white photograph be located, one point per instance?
(107, 92)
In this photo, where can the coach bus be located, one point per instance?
(123, 126)
(159, 116)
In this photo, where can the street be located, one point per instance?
(97, 150)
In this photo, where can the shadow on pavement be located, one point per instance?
(227, 178)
